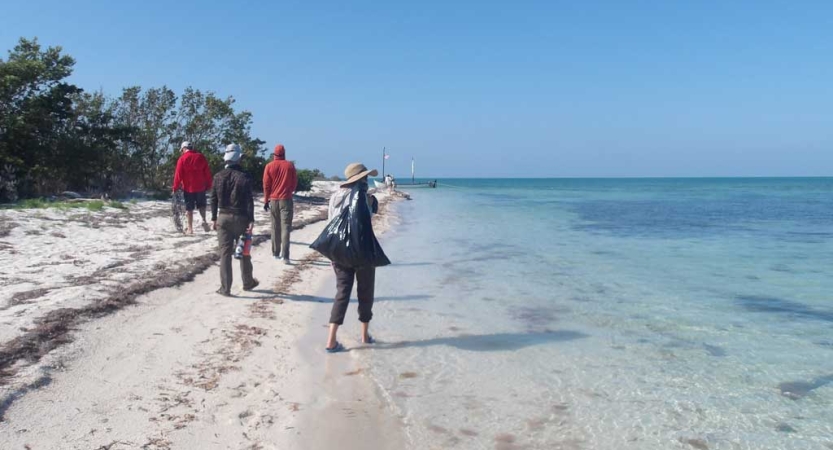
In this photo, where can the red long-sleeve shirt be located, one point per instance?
(192, 172)
(279, 180)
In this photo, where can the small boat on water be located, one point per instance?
(380, 184)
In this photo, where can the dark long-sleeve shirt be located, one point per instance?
(232, 193)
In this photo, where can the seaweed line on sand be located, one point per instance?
(53, 329)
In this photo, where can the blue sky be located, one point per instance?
(483, 89)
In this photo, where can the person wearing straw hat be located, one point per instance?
(365, 277)
(231, 197)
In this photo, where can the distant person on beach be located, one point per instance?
(193, 176)
(345, 276)
(231, 196)
(279, 183)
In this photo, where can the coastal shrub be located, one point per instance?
(8, 184)
(166, 195)
(305, 177)
(97, 144)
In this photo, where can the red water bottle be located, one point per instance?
(244, 246)
(247, 245)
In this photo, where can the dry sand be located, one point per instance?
(186, 368)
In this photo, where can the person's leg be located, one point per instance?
(275, 216)
(201, 205)
(190, 204)
(287, 212)
(366, 279)
(331, 336)
(344, 286)
(240, 226)
(190, 216)
(226, 238)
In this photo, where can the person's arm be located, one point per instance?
(250, 201)
(293, 177)
(373, 204)
(177, 175)
(332, 208)
(267, 184)
(214, 202)
(206, 173)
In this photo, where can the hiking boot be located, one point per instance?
(254, 285)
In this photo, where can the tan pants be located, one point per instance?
(229, 229)
(281, 212)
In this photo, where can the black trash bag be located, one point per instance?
(348, 239)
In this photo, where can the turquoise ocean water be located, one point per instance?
(610, 314)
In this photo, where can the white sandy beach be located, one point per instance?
(184, 367)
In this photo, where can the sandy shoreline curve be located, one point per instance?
(186, 368)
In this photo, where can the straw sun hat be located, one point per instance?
(355, 172)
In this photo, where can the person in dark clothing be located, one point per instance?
(365, 277)
(231, 196)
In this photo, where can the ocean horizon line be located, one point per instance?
(753, 177)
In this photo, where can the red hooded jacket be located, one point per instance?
(279, 178)
(192, 172)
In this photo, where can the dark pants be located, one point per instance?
(281, 213)
(366, 278)
(229, 229)
(195, 200)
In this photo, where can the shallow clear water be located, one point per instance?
(611, 314)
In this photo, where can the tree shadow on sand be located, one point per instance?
(487, 342)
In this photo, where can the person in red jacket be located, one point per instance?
(279, 183)
(193, 176)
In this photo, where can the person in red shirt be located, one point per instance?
(193, 176)
(279, 183)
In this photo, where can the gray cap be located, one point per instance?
(233, 153)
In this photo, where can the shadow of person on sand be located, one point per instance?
(256, 294)
(304, 298)
(319, 299)
(319, 263)
(486, 342)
